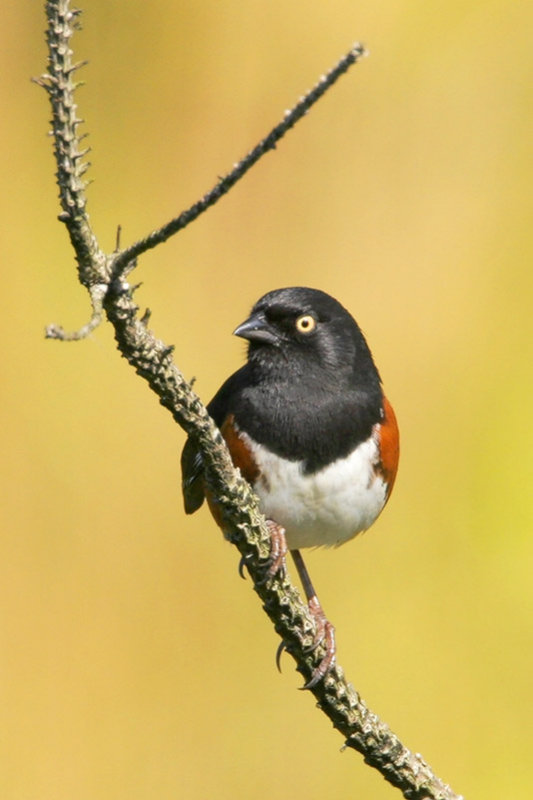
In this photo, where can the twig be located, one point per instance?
(242, 521)
(241, 168)
(97, 294)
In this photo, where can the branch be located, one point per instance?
(243, 524)
(68, 152)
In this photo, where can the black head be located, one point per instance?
(311, 333)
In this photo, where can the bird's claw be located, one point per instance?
(279, 652)
(324, 635)
(243, 564)
(278, 550)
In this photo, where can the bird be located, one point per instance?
(307, 423)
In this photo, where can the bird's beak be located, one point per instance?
(257, 329)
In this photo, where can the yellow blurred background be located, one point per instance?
(134, 662)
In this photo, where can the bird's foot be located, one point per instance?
(278, 550)
(324, 635)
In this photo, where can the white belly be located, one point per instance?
(326, 508)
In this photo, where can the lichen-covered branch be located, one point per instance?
(105, 278)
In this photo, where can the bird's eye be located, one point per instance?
(305, 324)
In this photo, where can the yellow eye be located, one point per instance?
(305, 324)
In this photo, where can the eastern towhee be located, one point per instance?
(307, 423)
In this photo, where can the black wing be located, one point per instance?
(192, 467)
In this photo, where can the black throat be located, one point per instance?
(305, 413)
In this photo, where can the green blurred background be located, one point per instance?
(134, 662)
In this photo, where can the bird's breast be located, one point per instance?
(326, 507)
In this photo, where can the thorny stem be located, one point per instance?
(69, 154)
(241, 168)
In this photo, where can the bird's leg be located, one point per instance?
(324, 630)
